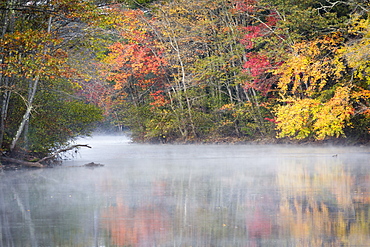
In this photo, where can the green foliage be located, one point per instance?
(243, 121)
(305, 20)
(134, 4)
(132, 116)
(58, 121)
(35, 42)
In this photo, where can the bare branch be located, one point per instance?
(333, 4)
(62, 151)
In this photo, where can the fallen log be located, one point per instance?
(23, 162)
(38, 163)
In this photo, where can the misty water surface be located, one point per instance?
(191, 195)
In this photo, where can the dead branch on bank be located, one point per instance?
(62, 151)
(38, 164)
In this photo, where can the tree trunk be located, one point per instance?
(26, 115)
(4, 107)
(32, 92)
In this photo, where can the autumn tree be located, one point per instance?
(206, 57)
(320, 98)
(239, 68)
(306, 69)
(356, 54)
(136, 68)
(34, 60)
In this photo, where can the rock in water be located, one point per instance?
(92, 164)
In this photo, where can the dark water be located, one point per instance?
(191, 195)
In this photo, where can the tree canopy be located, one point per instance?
(242, 69)
(38, 82)
(184, 70)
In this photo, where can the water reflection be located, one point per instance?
(191, 196)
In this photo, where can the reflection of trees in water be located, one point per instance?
(319, 206)
(15, 205)
(136, 217)
(36, 210)
(145, 225)
(297, 202)
(191, 210)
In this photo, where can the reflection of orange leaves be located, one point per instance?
(159, 188)
(136, 226)
(260, 225)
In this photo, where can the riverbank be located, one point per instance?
(21, 159)
(263, 141)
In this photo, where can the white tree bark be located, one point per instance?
(31, 96)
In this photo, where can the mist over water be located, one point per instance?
(191, 195)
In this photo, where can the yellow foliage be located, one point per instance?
(302, 118)
(311, 66)
(357, 53)
(321, 97)
(334, 115)
(295, 119)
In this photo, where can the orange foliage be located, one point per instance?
(31, 53)
(136, 63)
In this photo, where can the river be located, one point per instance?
(190, 195)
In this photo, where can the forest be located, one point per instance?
(182, 71)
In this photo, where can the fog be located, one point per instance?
(190, 195)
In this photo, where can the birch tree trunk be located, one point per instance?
(26, 115)
(31, 96)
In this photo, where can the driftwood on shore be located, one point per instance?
(39, 163)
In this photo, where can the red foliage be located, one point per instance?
(272, 120)
(244, 5)
(258, 63)
(272, 19)
(253, 32)
(93, 92)
(257, 66)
